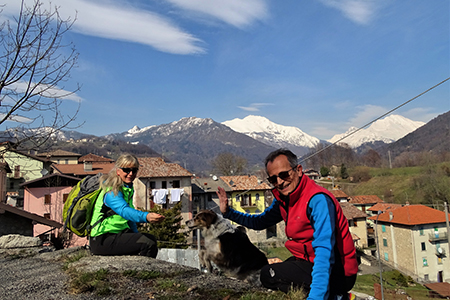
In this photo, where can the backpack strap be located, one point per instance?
(106, 213)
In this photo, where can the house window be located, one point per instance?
(66, 161)
(246, 201)
(47, 216)
(210, 197)
(386, 256)
(383, 228)
(16, 171)
(351, 223)
(436, 232)
(439, 260)
(426, 277)
(176, 184)
(256, 197)
(385, 242)
(152, 185)
(424, 248)
(65, 196)
(425, 262)
(355, 223)
(11, 185)
(421, 231)
(164, 184)
(48, 199)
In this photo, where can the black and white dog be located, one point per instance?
(227, 246)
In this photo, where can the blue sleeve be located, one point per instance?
(323, 220)
(269, 217)
(121, 207)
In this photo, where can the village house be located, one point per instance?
(251, 195)
(164, 184)
(340, 195)
(356, 223)
(204, 193)
(45, 197)
(61, 157)
(24, 167)
(18, 221)
(413, 239)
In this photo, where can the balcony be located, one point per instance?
(441, 237)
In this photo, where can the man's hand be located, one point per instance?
(223, 200)
(155, 218)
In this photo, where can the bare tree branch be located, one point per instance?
(34, 65)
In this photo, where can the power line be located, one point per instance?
(355, 131)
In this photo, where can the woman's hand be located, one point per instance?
(155, 218)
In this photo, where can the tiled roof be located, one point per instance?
(339, 194)
(94, 158)
(441, 288)
(78, 169)
(412, 215)
(23, 213)
(157, 167)
(351, 212)
(57, 153)
(365, 199)
(53, 180)
(208, 184)
(383, 207)
(245, 182)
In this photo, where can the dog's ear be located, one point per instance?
(209, 217)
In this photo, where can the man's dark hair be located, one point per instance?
(292, 158)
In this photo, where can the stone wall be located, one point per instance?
(13, 224)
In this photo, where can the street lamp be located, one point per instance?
(378, 256)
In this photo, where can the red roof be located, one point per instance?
(94, 158)
(245, 182)
(157, 167)
(78, 169)
(339, 194)
(365, 199)
(351, 212)
(384, 207)
(412, 215)
(441, 288)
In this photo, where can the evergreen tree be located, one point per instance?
(344, 172)
(168, 232)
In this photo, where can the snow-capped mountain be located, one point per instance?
(272, 134)
(386, 130)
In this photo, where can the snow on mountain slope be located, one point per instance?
(267, 132)
(388, 130)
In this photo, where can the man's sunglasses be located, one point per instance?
(283, 176)
(129, 170)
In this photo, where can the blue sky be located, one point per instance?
(319, 65)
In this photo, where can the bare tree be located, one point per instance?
(34, 65)
(229, 164)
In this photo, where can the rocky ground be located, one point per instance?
(74, 274)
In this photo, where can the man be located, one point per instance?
(324, 257)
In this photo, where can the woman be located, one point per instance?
(117, 234)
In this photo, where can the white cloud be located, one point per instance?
(359, 11)
(254, 106)
(235, 12)
(45, 90)
(125, 23)
(366, 114)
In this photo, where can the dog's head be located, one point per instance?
(203, 219)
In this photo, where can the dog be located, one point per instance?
(227, 246)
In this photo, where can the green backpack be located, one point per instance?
(78, 208)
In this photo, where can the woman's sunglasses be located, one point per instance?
(129, 170)
(283, 176)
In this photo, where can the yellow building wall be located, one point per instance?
(256, 199)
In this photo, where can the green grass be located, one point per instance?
(392, 282)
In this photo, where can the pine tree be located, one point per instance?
(168, 232)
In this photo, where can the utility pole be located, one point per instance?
(448, 226)
(390, 163)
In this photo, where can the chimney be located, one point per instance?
(87, 166)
